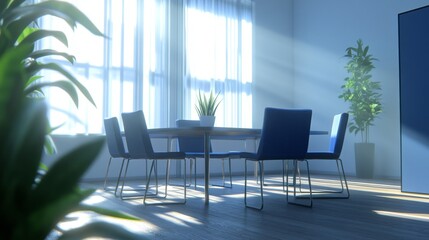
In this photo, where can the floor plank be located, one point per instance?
(376, 210)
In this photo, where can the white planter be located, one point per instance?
(207, 121)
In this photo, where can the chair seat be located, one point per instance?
(212, 155)
(246, 155)
(322, 155)
(169, 155)
(124, 155)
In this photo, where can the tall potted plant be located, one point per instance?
(364, 97)
(206, 108)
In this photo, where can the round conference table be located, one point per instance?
(208, 133)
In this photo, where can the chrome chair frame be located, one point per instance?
(115, 146)
(285, 136)
(140, 147)
(338, 131)
(194, 148)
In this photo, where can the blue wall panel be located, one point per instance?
(414, 99)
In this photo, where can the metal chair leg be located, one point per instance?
(335, 194)
(123, 179)
(107, 171)
(310, 204)
(223, 175)
(342, 178)
(192, 165)
(121, 195)
(166, 186)
(283, 174)
(230, 172)
(195, 173)
(262, 174)
(119, 177)
(261, 186)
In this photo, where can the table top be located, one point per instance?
(236, 133)
(214, 132)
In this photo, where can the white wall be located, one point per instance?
(321, 31)
(272, 58)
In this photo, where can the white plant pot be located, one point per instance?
(207, 121)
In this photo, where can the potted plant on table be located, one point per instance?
(206, 108)
(364, 97)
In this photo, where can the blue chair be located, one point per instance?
(285, 136)
(115, 146)
(193, 146)
(338, 132)
(140, 147)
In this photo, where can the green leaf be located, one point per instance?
(41, 33)
(67, 86)
(49, 52)
(64, 175)
(49, 146)
(27, 31)
(28, 134)
(24, 15)
(36, 67)
(20, 155)
(14, 3)
(11, 72)
(72, 12)
(3, 5)
(31, 80)
(43, 219)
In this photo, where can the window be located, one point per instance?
(218, 53)
(139, 65)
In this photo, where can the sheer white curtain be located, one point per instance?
(124, 72)
(139, 65)
(218, 58)
(155, 61)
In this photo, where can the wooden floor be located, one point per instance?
(375, 210)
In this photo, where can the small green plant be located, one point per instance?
(207, 106)
(360, 91)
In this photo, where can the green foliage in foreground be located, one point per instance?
(31, 210)
(32, 205)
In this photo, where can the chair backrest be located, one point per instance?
(137, 136)
(190, 144)
(115, 144)
(285, 134)
(338, 132)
